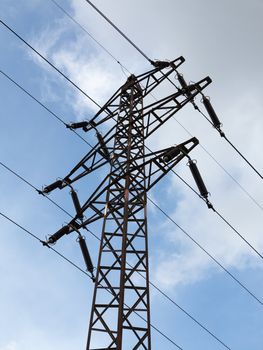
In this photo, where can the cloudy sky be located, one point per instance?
(45, 302)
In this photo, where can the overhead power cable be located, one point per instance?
(44, 243)
(177, 175)
(261, 256)
(49, 63)
(223, 135)
(206, 252)
(66, 13)
(96, 103)
(239, 234)
(91, 99)
(99, 106)
(90, 231)
(210, 155)
(164, 213)
(243, 189)
(118, 30)
(226, 221)
(58, 118)
(42, 105)
(151, 283)
(32, 186)
(241, 155)
(145, 56)
(121, 33)
(79, 269)
(222, 217)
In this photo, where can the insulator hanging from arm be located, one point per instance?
(198, 179)
(172, 153)
(186, 88)
(182, 81)
(78, 125)
(210, 110)
(76, 203)
(103, 145)
(60, 233)
(53, 186)
(85, 253)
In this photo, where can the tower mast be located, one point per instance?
(124, 247)
(120, 315)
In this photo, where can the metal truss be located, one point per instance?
(120, 315)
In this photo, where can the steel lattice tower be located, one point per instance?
(120, 315)
(123, 249)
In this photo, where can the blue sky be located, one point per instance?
(44, 302)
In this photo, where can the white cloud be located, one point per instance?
(79, 60)
(13, 345)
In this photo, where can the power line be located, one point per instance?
(205, 251)
(217, 212)
(261, 256)
(36, 189)
(62, 208)
(222, 134)
(79, 269)
(49, 63)
(60, 119)
(154, 286)
(122, 66)
(118, 30)
(69, 214)
(91, 99)
(44, 243)
(177, 175)
(89, 34)
(243, 189)
(145, 56)
(222, 217)
(239, 234)
(181, 125)
(42, 105)
(241, 155)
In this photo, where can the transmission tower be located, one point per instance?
(120, 315)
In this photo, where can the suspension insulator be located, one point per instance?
(85, 253)
(182, 81)
(103, 145)
(53, 186)
(60, 233)
(76, 203)
(198, 179)
(211, 112)
(78, 125)
(184, 85)
(169, 155)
